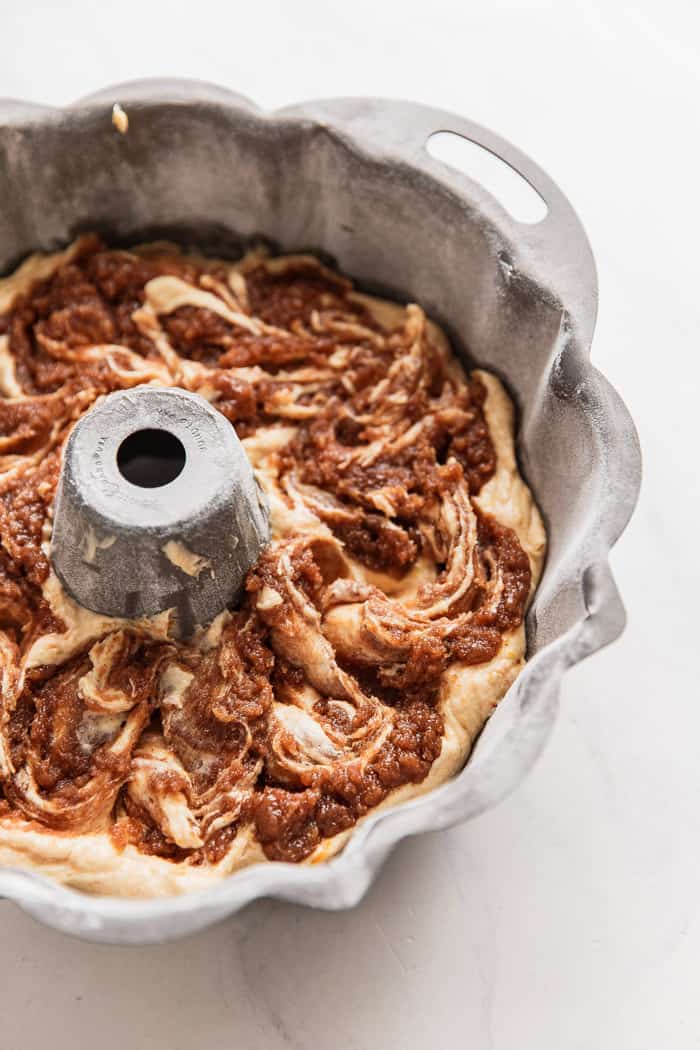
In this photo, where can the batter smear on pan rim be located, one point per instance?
(377, 632)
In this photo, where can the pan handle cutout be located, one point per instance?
(508, 186)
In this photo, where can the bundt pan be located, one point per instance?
(351, 179)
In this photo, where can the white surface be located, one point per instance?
(569, 917)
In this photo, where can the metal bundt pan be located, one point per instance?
(351, 178)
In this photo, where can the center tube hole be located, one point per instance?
(151, 458)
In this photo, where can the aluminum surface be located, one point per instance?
(351, 178)
(189, 539)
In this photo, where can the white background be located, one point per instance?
(569, 917)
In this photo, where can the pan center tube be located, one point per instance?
(157, 508)
(151, 458)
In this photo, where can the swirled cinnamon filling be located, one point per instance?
(377, 631)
